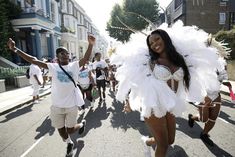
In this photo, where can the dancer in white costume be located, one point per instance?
(210, 109)
(162, 74)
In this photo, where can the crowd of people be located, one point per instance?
(158, 77)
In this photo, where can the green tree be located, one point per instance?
(119, 34)
(130, 14)
(8, 10)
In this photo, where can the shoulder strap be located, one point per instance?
(70, 77)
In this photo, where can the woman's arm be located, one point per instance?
(25, 56)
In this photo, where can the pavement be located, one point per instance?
(13, 99)
(16, 98)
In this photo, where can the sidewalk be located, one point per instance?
(13, 99)
(16, 98)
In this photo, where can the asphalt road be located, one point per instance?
(27, 131)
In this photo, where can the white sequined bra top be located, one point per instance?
(162, 72)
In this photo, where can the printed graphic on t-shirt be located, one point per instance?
(62, 77)
(99, 66)
(83, 74)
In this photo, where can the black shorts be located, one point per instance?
(100, 83)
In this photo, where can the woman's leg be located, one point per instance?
(89, 95)
(159, 129)
(171, 131)
(213, 114)
(170, 118)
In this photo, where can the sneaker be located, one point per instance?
(190, 120)
(69, 149)
(92, 104)
(141, 118)
(147, 149)
(82, 129)
(205, 138)
(36, 102)
(82, 111)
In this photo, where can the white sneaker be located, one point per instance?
(35, 102)
(141, 118)
(147, 149)
(92, 104)
(82, 111)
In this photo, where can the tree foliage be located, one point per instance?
(129, 13)
(8, 10)
(120, 35)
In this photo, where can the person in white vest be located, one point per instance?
(65, 97)
(86, 83)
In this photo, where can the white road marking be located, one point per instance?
(27, 151)
(223, 120)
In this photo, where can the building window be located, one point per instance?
(53, 12)
(70, 8)
(81, 19)
(222, 18)
(66, 22)
(64, 5)
(231, 19)
(178, 3)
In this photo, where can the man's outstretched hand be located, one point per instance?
(11, 44)
(91, 39)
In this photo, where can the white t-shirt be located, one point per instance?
(100, 75)
(35, 70)
(62, 91)
(83, 76)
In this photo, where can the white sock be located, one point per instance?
(81, 125)
(68, 140)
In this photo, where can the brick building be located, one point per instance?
(210, 15)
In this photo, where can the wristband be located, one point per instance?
(16, 50)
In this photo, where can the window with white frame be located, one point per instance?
(66, 22)
(70, 8)
(222, 18)
(64, 5)
(53, 12)
(82, 19)
(78, 17)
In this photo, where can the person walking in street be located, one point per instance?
(100, 69)
(86, 83)
(112, 80)
(210, 109)
(36, 80)
(65, 96)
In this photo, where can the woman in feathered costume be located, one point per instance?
(160, 76)
(210, 109)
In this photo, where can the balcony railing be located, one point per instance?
(35, 10)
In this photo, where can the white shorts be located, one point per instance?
(35, 89)
(63, 117)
